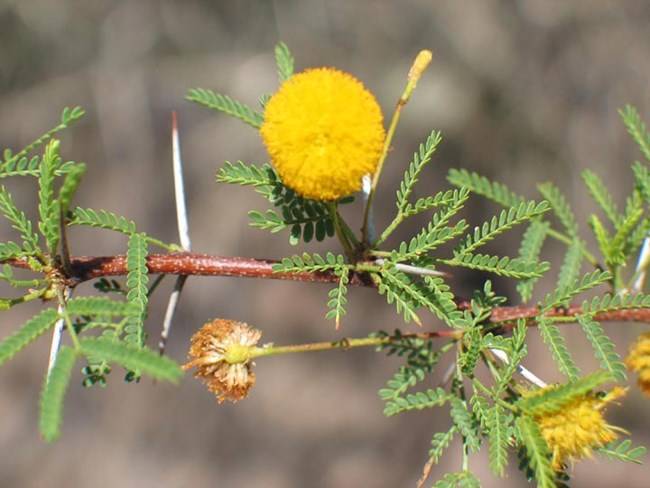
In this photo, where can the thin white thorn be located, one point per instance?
(183, 233)
(169, 313)
(366, 187)
(642, 262)
(526, 373)
(179, 188)
(415, 270)
(57, 334)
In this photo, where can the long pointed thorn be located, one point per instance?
(641, 263)
(526, 373)
(179, 189)
(183, 233)
(57, 334)
(170, 312)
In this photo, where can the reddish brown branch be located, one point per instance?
(85, 268)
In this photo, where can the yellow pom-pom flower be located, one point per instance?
(324, 131)
(639, 361)
(572, 431)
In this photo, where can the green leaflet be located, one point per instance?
(102, 219)
(19, 221)
(562, 295)
(306, 219)
(611, 303)
(498, 422)
(311, 263)
(337, 298)
(560, 207)
(19, 165)
(29, 331)
(53, 394)
(412, 174)
(571, 265)
(225, 104)
(553, 399)
(284, 62)
(144, 360)
(466, 423)
(601, 195)
(480, 185)
(637, 129)
(463, 479)
(556, 344)
(417, 401)
(529, 251)
(603, 347)
(440, 442)
(100, 306)
(70, 184)
(537, 452)
(137, 280)
(623, 451)
(48, 208)
(506, 220)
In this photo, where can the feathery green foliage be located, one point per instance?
(475, 346)
(553, 399)
(19, 222)
(571, 265)
(538, 456)
(102, 306)
(53, 394)
(562, 295)
(137, 280)
(48, 208)
(560, 207)
(500, 431)
(225, 104)
(529, 252)
(506, 220)
(306, 219)
(466, 423)
(144, 360)
(603, 347)
(20, 165)
(637, 129)
(557, 345)
(623, 451)
(102, 219)
(480, 185)
(284, 61)
(337, 297)
(463, 479)
(70, 184)
(601, 195)
(412, 174)
(440, 442)
(24, 336)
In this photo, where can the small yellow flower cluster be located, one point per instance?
(639, 360)
(573, 430)
(221, 352)
(324, 131)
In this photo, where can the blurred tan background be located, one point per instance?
(523, 91)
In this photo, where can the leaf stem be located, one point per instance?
(342, 236)
(347, 343)
(419, 65)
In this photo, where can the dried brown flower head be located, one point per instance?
(221, 352)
